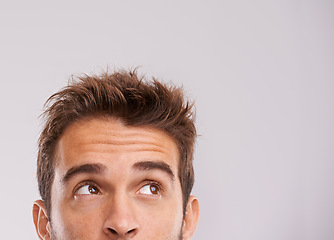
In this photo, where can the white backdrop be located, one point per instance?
(262, 75)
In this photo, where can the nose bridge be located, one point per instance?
(121, 217)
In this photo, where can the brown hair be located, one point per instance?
(128, 97)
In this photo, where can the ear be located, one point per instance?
(41, 220)
(191, 218)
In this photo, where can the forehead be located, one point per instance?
(109, 140)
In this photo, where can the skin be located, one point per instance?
(116, 182)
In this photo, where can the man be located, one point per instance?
(115, 161)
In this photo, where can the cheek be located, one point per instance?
(69, 221)
(163, 220)
(163, 226)
(77, 226)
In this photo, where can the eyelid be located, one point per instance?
(152, 182)
(85, 183)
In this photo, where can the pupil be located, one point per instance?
(92, 189)
(154, 190)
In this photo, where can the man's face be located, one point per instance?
(116, 182)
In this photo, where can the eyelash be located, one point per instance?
(154, 183)
(84, 183)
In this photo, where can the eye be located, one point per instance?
(149, 189)
(87, 189)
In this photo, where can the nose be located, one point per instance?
(121, 221)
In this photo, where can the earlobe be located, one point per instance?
(41, 220)
(191, 218)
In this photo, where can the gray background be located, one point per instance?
(261, 73)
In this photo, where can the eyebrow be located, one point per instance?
(86, 168)
(153, 165)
